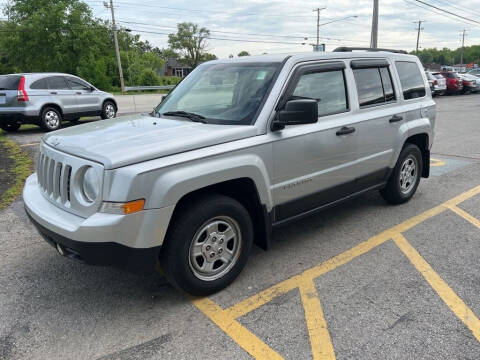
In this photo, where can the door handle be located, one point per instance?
(54, 93)
(396, 118)
(79, 93)
(345, 130)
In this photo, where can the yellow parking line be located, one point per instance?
(465, 215)
(320, 341)
(32, 144)
(458, 307)
(248, 341)
(436, 162)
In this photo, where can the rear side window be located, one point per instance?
(57, 83)
(39, 84)
(374, 86)
(327, 87)
(411, 80)
(9, 82)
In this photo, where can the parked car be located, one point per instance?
(454, 82)
(239, 147)
(46, 99)
(438, 82)
(471, 83)
(475, 72)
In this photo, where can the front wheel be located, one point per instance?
(208, 245)
(109, 110)
(404, 180)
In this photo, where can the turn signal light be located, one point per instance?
(123, 208)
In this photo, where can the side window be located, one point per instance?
(387, 84)
(39, 85)
(77, 84)
(411, 79)
(57, 83)
(327, 87)
(369, 86)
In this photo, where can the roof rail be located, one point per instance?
(350, 49)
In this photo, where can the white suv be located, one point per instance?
(239, 147)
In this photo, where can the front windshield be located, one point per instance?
(228, 93)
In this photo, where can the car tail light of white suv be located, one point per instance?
(21, 93)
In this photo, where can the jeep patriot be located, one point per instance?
(239, 147)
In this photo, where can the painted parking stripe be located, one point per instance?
(321, 345)
(449, 297)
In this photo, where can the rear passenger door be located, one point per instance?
(60, 93)
(313, 162)
(88, 100)
(380, 119)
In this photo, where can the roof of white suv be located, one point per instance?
(308, 56)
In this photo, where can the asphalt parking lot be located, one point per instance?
(364, 280)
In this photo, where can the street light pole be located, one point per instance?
(117, 49)
(374, 35)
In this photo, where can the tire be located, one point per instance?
(109, 110)
(10, 127)
(400, 186)
(204, 225)
(51, 119)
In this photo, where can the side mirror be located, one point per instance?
(301, 111)
(92, 89)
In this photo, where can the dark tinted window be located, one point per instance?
(77, 84)
(9, 82)
(328, 88)
(411, 80)
(57, 83)
(369, 86)
(39, 84)
(387, 84)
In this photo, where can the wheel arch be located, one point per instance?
(243, 190)
(52, 105)
(112, 100)
(422, 140)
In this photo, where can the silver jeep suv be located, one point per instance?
(241, 146)
(46, 99)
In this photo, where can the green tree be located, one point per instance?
(148, 77)
(190, 42)
(243, 53)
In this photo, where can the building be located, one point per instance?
(174, 68)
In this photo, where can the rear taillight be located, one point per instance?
(21, 93)
(435, 82)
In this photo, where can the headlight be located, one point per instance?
(91, 185)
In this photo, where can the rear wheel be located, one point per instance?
(207, 245)
(12, 127)
(404, 180)
(51, 119)
(109, 111)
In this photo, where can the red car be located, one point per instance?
(454, 83)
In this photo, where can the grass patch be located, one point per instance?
(21, 169)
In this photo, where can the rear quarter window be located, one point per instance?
(9, 82)
(39, 84)
(411, 80)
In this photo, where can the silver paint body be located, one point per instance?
(72, 103)
(162, 160)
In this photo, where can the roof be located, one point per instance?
(176, 63)
(308, 56)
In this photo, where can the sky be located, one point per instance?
(290, 21)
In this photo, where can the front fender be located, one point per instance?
(173, 184)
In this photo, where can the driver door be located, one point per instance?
(314, 163)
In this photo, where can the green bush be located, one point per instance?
(148, 77)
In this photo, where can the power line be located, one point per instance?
(446, 11)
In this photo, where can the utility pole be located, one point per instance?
(463, 46)
(115, 39)
(418, 33)
(318, 26)
(374, 35)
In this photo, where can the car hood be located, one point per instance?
(131, 139)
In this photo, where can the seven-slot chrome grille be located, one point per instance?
(60, 178)
(54, 178)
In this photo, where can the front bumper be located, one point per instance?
(130, 242)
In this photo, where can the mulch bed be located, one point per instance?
(7, 178)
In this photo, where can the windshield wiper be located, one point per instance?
(188, 115)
